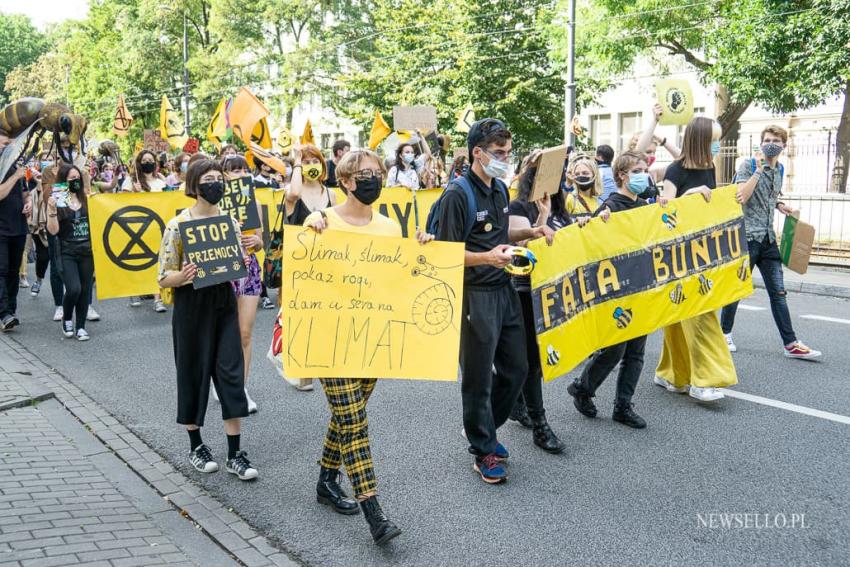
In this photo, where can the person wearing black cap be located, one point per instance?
(492, 331)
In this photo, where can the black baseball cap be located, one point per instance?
(480, 130)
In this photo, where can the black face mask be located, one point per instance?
(368, 190)
(75, 185)
(212, 192)
(584, 181)
(148, 168)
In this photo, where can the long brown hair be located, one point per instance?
(140, 175)
(62, 177)
(696, 146)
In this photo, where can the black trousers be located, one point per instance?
(532, 390)
(602, 362)
(492, 335)
(78, 276)
(11, 254)
(207, 347)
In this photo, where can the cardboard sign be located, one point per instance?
(364, 306)
(675, 96)
(414, 118)
(153, 141)
(213, 246)
(192, 146)
(795, 248)
(240, 203)
(550, 170)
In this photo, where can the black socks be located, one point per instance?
(232, 446)
(195, 438)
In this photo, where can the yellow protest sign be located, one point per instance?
(644, 269)
(284, 140)
(362, 306)
(170, 125)
(465, 119)
(126, 233)
(675, 96)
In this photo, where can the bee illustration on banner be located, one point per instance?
(670, 219)
(677, 296)
(744, 270)
(552, 355)
(704, 285)
(623, 317)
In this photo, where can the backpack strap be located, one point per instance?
(471, 205)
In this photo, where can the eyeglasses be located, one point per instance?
(501, 155)
(365, 174)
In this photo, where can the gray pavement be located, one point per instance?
(651, 497)
(817, 280)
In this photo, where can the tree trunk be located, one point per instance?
(842, 147)
(729, 114)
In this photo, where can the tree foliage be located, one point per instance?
(20, 44)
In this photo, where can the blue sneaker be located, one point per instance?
(501, 452)
(490, 469)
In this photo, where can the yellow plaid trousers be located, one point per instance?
(347, 439)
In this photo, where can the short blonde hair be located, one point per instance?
(624, 162)
(584, 159)
(350, 163)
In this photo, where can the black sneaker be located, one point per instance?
(520, 413)
(9, 322)
(202, 459)
(35, 288)
(241, 467)
(267, 303)
(627, 416)
(582, 401)
(68, 329)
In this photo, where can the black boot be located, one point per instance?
(520, 413)
(582, 401)
(545, 438)
(382, 529)
(627, 416)
(329, 492)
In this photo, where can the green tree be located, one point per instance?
(20, 44)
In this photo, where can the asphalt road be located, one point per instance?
(617, 496)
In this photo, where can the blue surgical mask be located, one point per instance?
(496, 168)
(715, 148)
(184, 167)
(638, 183)
(408, 158)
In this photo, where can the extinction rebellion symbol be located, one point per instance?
(131, 222)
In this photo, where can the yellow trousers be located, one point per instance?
(695, 353)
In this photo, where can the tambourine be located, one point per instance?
(520, 252)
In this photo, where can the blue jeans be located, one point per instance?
(765, 255)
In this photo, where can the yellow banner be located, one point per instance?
(127, 231)
(361, 306)
(644, 269)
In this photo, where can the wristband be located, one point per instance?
(664, 142)
(520, 252)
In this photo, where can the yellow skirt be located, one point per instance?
(695, 353)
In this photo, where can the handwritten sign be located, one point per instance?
(240, 203)
(153, 141)
(213, 245)
(360, 306)
(414, 118)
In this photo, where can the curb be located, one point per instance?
(220, 524)
(811, 288)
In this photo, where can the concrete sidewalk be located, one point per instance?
(78, 488)
(817, 281)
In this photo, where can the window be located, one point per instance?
(629, 123)
(326, 141)
(600, 129)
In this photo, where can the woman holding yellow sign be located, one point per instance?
(360, 173)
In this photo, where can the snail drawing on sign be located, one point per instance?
(434, 308)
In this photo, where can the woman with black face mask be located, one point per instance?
(205, 329)
(583, 176)
(146, 177)
(68, 217)
(360, 173)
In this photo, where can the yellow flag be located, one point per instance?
(217, 130)
(380, 131)
(465, 119)
(262, 134)
(404, 135)
(284, 140)
(123, 119)
(307, 136)
(139, 147)
(245, 114)
(170, 126)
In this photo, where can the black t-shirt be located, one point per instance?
(490, 228)
(300, 211)
(617, 202)
(331, 182)
(528, 210)
(685, 179)
(73, 225)
(12, 219)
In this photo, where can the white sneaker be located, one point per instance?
(730, 343)
(202, 459)
(801, 351)
(58, 313)
(303, 385)
(159, 307)
(92, 315)
(252, 405)
(68, 329)
(24, 282)
(82, 335)
(668, 386)
(706, 394)
(214, 393)
(135, 301)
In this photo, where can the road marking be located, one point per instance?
(746, 307)
(824, 318)
(786, 406)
